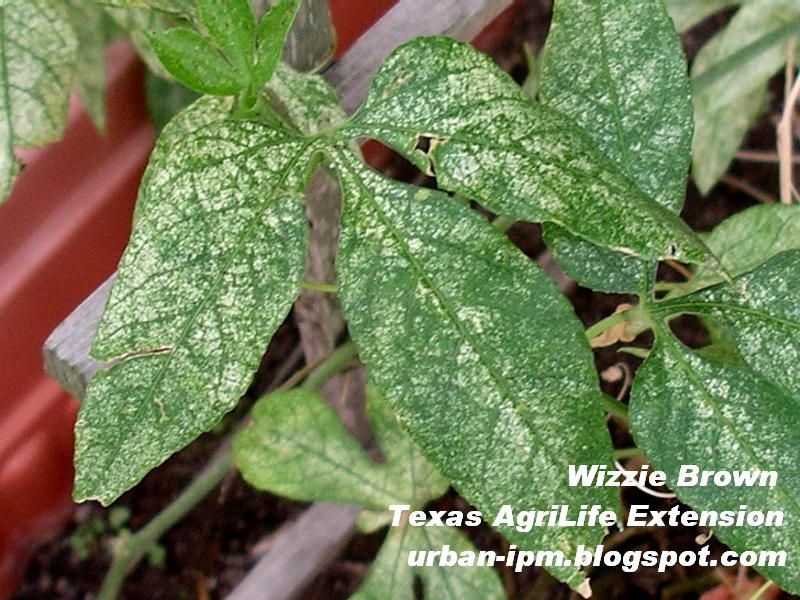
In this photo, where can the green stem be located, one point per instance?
(761, 591)
(331, 365)
(130, 552)
(615, 407)
(611, 320)
(318, 287)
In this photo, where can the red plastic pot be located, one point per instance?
(61, 234)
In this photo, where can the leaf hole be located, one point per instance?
(689, 329)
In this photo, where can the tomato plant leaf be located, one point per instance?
(748, 239)
(391, 578)
(618, 69)
(212, 268)
(37, 62)
(688, 13)
(192, 60)
(86, 17)
(719, 133)
(297, 447)
(732, 417)
(446, 314)
(272, 30)
(528, 162)
(231, 24)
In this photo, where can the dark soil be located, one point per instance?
(213, 547)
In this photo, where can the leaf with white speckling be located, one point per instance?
(212, 268)
(297, 447)
(476, 350)
(516, 158)
(748, 239)
(733, 417)
(391, 578)
(618, 69)
(37, 61)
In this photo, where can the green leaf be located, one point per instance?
(732, 417)
(308, 101)
(212, 268)
(593, 266)
(719, 133)
(748, 239)
(297, 447)
(231, 24)
(273, 28)
(86, 17)
(618, 69)
(165, 99)
(190, 58)
(528, 162)
(688, 13)
(37, 61)
(390, 577)
(139, 24)
(741, 58)
(476, 350)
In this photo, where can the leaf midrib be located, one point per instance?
(504, 389)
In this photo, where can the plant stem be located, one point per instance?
(331, 365)
(615, 407)
(130, 552)
(611, 320)
(318, 287)
(761, 591)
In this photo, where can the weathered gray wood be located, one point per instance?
(311, 41)
(66, 350)
(295, 552)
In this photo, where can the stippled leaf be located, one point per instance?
(749, 238)
(391, 578)
(231, 25)
(741, 58)
(308, 101)
(297, 447)
(733, 417)
(518, 159)
(272, 30)
(211, 270)
(477, 352)
(618, 69)
(719, 133)
(86, 17)
(37, 62)
(190, 58)
(688, 13)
